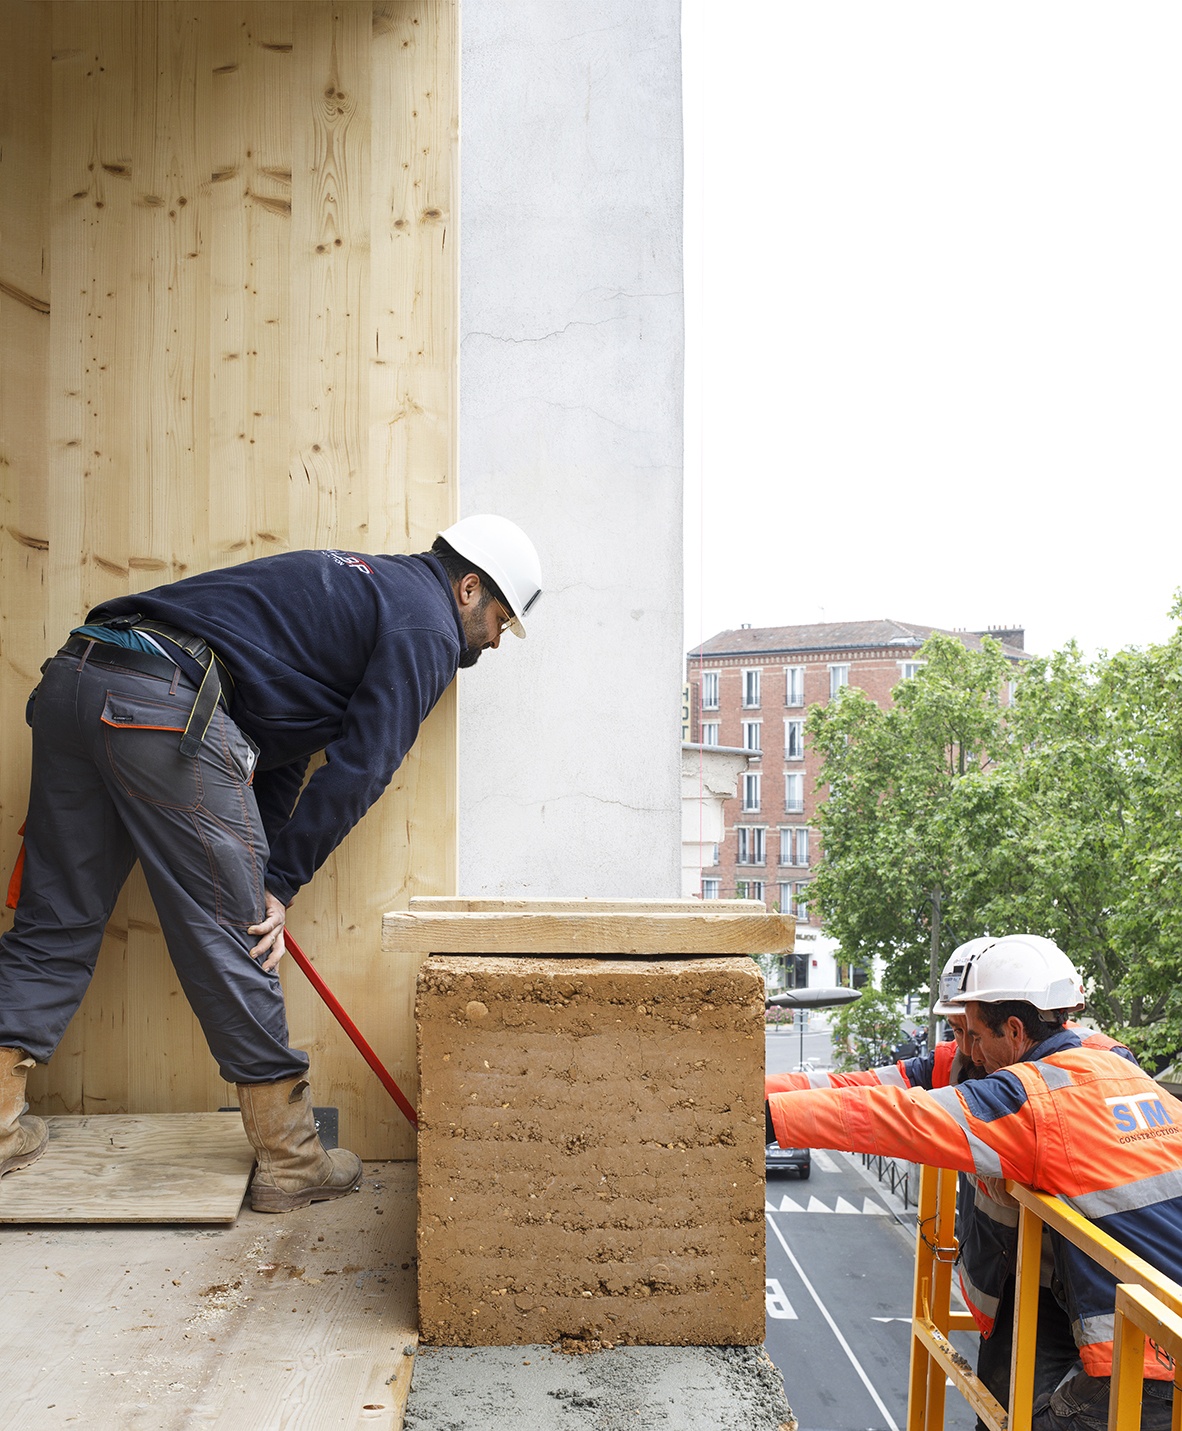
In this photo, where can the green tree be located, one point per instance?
(893, 826)
(865, 1032)
(950, 815)
(1078, 832)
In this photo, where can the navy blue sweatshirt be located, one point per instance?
(329, 651)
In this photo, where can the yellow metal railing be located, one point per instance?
(1148, 1304)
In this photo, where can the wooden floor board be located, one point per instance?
(277, 1323)
(171, 1167)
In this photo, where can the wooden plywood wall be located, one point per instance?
(227, 329)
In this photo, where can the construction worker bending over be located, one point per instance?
(1049, 1113)
(176, 727)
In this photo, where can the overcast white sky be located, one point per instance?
(934, 315)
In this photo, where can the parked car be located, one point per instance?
(787, 1160)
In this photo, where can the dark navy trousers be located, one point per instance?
(109, 785)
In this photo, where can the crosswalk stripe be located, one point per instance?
(869, 1207)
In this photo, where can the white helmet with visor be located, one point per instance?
(1018, 966)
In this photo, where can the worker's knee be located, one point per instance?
(1081, 1404)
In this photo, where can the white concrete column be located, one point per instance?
(570, 423)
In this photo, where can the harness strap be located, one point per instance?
(214, 682)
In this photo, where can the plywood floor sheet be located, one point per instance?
(276, 1323)
(171, 1167)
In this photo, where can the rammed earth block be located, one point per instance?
(591, 1150)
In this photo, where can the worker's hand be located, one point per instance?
(269, 950)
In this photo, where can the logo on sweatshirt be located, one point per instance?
(351, 559)
(1142, 1115)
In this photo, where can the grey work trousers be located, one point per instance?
(1055, 1352)
(109, 784)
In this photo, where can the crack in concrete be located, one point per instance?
(544, 337)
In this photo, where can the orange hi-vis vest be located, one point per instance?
(1074, 1121)
(927, 1070)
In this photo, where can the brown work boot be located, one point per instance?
(22, 1137)
(294, 1167)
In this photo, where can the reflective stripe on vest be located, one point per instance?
(985, 1161)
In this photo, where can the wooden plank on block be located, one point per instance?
(565, 932)
(177, 1167)
(462, 904)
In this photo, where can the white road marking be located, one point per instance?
(869, 1207)
(890, 1319)
(833, 1327)
(778, 1306)
(824, 1161)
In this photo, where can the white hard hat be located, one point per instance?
(954, 972)
(1020, 966)
(500, 548)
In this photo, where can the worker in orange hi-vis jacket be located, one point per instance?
(986, 1217)
(1051, 1113)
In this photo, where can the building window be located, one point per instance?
(751, 735)
(710, 888)
(749, 889)
(911, 669)
(794, 685)
(785, 889)
(1011, 691)
(794, 794)
(709, 690)
(709, 732)
(751, 845)
(751, 689)
(751, 790)
(839, 678)
(794, 740)
(794, 845)
(714, 858)
(800, 905)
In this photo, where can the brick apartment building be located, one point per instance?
(752, 688)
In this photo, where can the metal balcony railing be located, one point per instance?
(1148, 1304)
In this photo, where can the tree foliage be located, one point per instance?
(899, 781)
(865, 1032)
(1058, 815)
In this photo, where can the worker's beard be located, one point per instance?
(475, 628)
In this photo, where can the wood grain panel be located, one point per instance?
(612, 932)
(502, 904)
(302, 1322)
(175, 1167)
(249, 243)
(24, 370)
(245, 227)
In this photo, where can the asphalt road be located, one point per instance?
(840, 1257)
